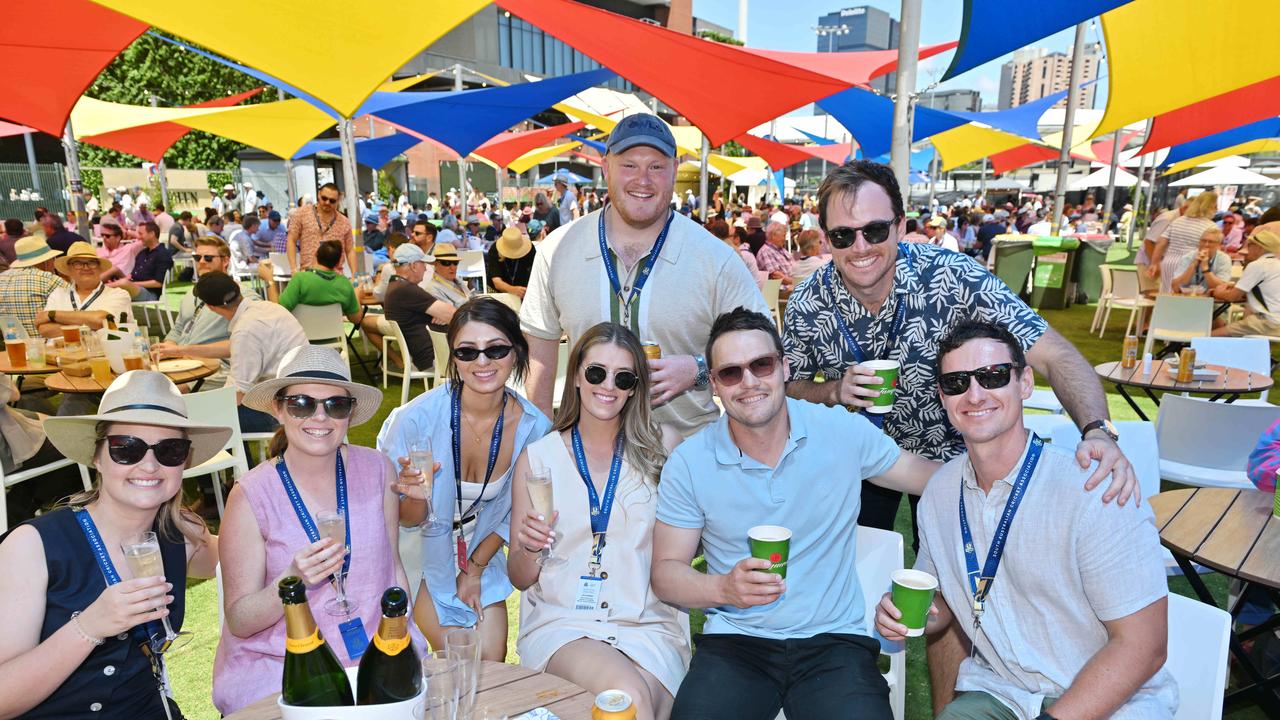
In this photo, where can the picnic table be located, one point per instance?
(1229, 383)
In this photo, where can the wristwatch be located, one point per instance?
(704, 375)
(1103, 425)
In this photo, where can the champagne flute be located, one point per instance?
(463, 645)
(440, 673)
(332, 524)
(423, 460)
(142, 555)
(542, 498)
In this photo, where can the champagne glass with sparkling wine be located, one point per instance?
(332, 524)
(422, 460)
(543, 500)
(142, 555)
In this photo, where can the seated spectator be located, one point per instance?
(13, 232)
(411, 307)
(444, 283)
(164, 220)
(387, 269)
(57, 234)
(199, 331)
(321, 285)
(373, 237)
(26, 286)
(810, 242)
(182, 235)
(936, 231)
(122, 255)
(276, 231)
(496, 227)
(1192, 274)
(1098, 646)
(150, 266)
(510, 261)
(240, 239)
(215, 225)
(23, 445)
(87, 301)
(1258, 288)
(755, 233)
(773, 256)
(913, 232)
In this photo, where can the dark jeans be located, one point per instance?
(738, 677)
(255, 420)
(880, 509)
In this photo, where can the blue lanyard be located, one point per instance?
(108, 568)
(300, 507)
(611, 269)
(980, 584)
(495, 447)
(600, 511)
(87, 303)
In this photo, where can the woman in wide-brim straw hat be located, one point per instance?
(270, 529)
(79, 626)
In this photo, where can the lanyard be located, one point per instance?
(860, 355)
(980, 582)
(600, 511)
(495, 447)
(87, 303)
(324, 230)
(611, 268)
(300, 507)
(104, 560)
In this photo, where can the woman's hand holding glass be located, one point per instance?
(126, 605)
(318, 562)
(410, 481)
(535, 532)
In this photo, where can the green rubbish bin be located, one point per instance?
(1012, 257)
(1094, 251)
(1051, 285)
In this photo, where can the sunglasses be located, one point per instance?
(447, 263)
(338, 407)
(761, 367)
(129, 450)
(623, 379)
(873, 232)
(470, 354)
(329, 200)
(206, 258)
(991, 377)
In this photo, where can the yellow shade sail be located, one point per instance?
(727, 165)
(535, 157)
(1247, 148)
(327, 48)
(280, 128)
(402, 83)
(96, 117)
(963, 145)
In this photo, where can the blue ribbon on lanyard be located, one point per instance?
(600, 511)
(74, 306)
(612, 270)
(304, 516)
(980, 582)
(495, 447)
(152, 628)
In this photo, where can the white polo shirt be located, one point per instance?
(1264, 274)
(115, 301)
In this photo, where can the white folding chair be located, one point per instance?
(772, 292)
(9, 480)
(1050, 425)
(1179, 318)
(410, 371)
(877, 554)
(1247, 353)
(280, 267)
(1126, 296)
(471, 265)
(440, 353)
(1199, 640)
(1044, 399)
(161, 307)
(218, 407)
(511, 300)
(1207, 444)
(1104, 297)
(322, 325)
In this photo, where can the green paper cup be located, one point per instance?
(1275, 507)
(772, 543)
(887, 371)
(912, 595)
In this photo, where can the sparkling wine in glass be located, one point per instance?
(142, 555)
(423, 460)
(543, 500)
(332, 524)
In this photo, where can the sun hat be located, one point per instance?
(80, 249)
(641, 129)
(32, 250)
(513, 244)
(753, 223)
(1269, 240)
(371, 218)
(408, 253)
(444, 251)
(937, 221)
(141, 397)
(228, 186)
(315, 364)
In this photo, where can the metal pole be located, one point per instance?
(160, 172)
(462, 161)
(31, 164)
(290, 184)
(702, 180)
(908, 52)
(1151, 189)
(1111, 181)
(933, 177)
(982, 182)
(826, 134)
(742, 21)
(1068, 124)
(352, 183)
(1137, 198)
(77, 187)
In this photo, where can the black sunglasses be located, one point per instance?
(991, 377)
(206, 258)
(873, 232)
(761, 367)
(338, 407)
(129, 450)
(329, 200)
(470, 354)
(447, 263)
(623, 379)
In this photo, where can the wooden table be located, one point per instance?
(509, 689)
(1234, 533)
(1230, 382)
(63, 383)
(8, 369)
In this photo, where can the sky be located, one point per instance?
(788, 25)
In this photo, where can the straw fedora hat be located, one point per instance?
(31, 251)
(140, 397)
(513, 244)
(80, 249)
(315, 364)
(444, 251)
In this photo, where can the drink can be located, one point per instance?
(613, 705)
(652, 350)
(1129, 358)
(1186, 365)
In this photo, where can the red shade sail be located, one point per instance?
(1241, 106)
(1102, 148)
(9, 129)
(503, 149)
(1021, 156)
(836, 153)
(151, 142)
(857, 68)
(53, 50)
(710, 83)
(777, 154)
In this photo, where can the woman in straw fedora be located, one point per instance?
(510, 261)
(272, 526)
(82, 633)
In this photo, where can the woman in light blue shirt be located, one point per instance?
(476, 427)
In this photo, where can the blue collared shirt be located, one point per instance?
(815, 491)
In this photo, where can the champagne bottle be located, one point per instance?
(313, 677)
(390, 670)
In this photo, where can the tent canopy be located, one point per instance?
(1224, 175)
(1253, 146)
(566, 175)
(1101, 177)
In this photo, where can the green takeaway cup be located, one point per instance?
(887, 371)
(772, 543)
(912, 594)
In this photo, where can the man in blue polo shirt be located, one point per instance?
(150, 265)
(801, 644)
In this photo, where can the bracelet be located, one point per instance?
(75, 620)
(477, 563)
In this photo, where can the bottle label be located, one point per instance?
(391, 646)
(299, 646)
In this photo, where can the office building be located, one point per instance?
(856, 29)
(962, 100)
(1035, 72)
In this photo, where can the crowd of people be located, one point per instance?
(741, 419)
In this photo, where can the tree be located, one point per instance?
(719, 37)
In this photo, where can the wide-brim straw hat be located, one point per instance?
(31, 251)
(513, 244)
(444, 251)
(315, 364)
(80, 249)
(138, 397)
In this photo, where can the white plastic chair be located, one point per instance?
(1247, 353)
(164, 320)
(1044, 399)
(410, 372)
(1137, 441)
(9, 480)
(772, 292)
(440, 353)
(1179, 318)
(511, 300)
(322, 325)
(1126, 296)
(280, 267)
(1051, 427)
(877, 554)
(471, 265)
(1199, 640)
(217, 584)
(1207, 444)
(218, 407)
(1104, 297)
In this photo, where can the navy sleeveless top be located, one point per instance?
(115, 681)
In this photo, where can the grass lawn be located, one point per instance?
(192, 667)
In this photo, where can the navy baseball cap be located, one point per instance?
(273, 215)
(641, 129)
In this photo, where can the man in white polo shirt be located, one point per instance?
(1258, 286)
(637, 263)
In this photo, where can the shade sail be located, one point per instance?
(817, 138)
(1022, 120)
(1021, 156)
(1102, 148)
(279, 128)
(869, 118)
(326, 52)
(370, 152)
(97, 117)
(593, 144)
(967, 143)
(151, 142)
(675, 67)
(539, 156)
(1223, 175)
(855, 68)
(465, 120)
(1188, 45)
(778, 155)
(53, 50)
(1222, 112)
(406, 83)
(506, 147)
(1101, 178)
(9, 129)
(1248, 148)
(1259, 130)
(991, 28)
(836, 153)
